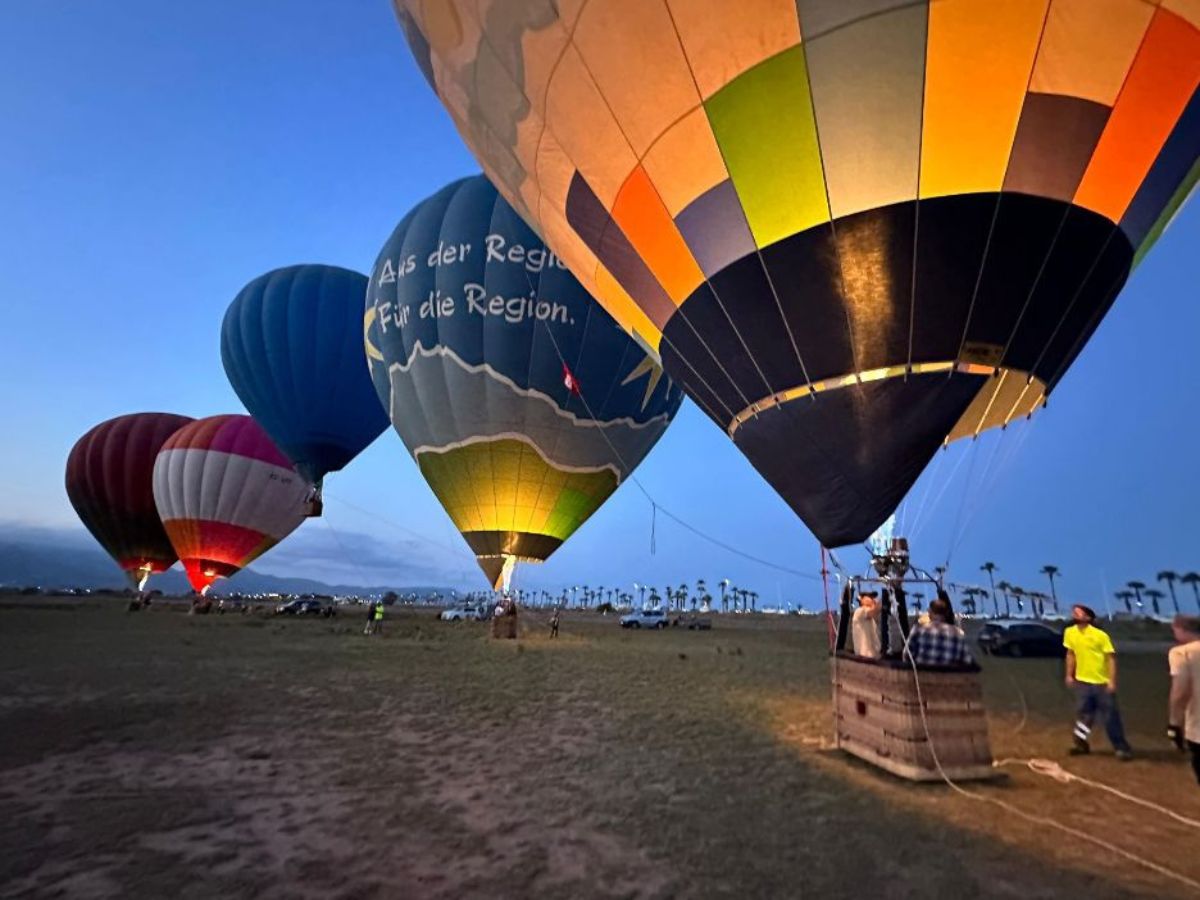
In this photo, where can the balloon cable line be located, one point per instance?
(416, 534)
(989, 481)
(925, 511)
(966, 489)
(656, 507)
(341, 548)
(930, 481)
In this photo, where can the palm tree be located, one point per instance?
(683, 597)
(1005, 588)
(1193, 578)
(1137, 587)
(1125, 597)
(753, 601)
(941, 574)
(915, 598)
(1155, 595)
(970, 593)
(1050, 572)
(702, 593)
(724, 583)
(1169, 577)
(655, 599)
(990, 568)
(1019, 594)
(641, 589)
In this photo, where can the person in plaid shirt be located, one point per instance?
(940, 643)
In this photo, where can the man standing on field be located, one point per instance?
(1183, 728)
(1092, 674)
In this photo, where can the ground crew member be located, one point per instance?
(1092, 674)
(1183, 728)
(378, 629)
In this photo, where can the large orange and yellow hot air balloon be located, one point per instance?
(854, 230)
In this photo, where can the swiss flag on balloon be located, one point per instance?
(571, 382)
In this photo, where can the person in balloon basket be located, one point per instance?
(864, 625)
(1092, 675)
(939, 643)
(1183, 728)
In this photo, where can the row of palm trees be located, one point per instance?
(730, 597)
(1134, 592)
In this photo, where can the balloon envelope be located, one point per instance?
(291, 343)
(853, 230)
(226, 494)
(523, 402)
(110, 482)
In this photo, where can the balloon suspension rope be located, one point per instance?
(825, 590)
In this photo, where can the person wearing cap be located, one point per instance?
(864, 625)
(1092, 675)
(1183, 728)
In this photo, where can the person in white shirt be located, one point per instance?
(1183, 728)
(864, 625)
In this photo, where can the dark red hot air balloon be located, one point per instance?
(110, 482)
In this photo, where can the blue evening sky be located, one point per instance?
(155, 156)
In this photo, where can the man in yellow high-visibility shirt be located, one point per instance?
(1092, 674)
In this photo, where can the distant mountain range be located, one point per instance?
(50, 558)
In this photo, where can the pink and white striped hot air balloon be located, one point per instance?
(226, 494)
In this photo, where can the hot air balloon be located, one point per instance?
(853, 230)
(110, 475)
(291, 343)
(522, 401)
(226, 494)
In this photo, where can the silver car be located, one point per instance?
(646, 618)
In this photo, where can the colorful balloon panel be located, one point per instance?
(226, 494)
(475, 333)
(291, 343)
(852, 229)
(110, 482)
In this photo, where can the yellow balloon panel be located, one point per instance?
(506, 488)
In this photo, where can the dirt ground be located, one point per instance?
(161, 755)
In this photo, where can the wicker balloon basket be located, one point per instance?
(504, 627)
(878, 718)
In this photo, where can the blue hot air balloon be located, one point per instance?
(292, 347)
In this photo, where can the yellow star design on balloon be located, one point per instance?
(648, 366)
(368, 321)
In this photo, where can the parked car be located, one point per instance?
(304, 608)
(645, 618)
(694, 622)
(1014, 637)
(464, 614)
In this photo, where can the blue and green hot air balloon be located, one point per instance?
(292, 347)
(523, 402)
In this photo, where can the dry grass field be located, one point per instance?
(162, 755)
